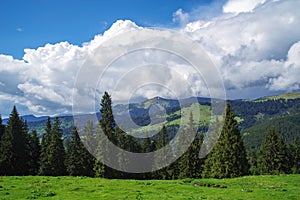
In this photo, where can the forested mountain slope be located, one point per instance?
(255, 117)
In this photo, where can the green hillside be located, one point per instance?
(251, 187)
(254, 117)
(287, 126)
(201, 114)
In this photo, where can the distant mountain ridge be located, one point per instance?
(254, 116)
(29, 118)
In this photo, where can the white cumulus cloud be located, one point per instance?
(252, 49)
(289, 78)
(239, 6)
(256, 50)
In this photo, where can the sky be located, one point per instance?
(34, 23)
(254, 44)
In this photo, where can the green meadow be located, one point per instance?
(249, 187)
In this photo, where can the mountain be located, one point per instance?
(288, 126)
(29, 118)
(254, 117)
(252, 112)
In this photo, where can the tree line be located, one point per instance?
(23, 153)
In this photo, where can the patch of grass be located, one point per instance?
(250, 187)
(286, 96)
(239, 119)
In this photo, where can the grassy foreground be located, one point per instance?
(251, 187)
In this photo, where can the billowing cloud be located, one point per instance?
(239, 6)
(252, 49)
(289, 78)
(256, 50)
(42, 82)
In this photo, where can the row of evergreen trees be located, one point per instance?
(275, 156)
(19, 151)
(22, 153)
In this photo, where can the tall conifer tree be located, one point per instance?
(56, 154)
(45, 168)
(35, 151)
(79, 161)
(295, 158)
(107, 121)
(228, 157)
(13, 147)
(273, 157)
(107, 126)
(90, 137)
(161, 142)
(189, 162)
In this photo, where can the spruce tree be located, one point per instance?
(107, 121)
(273, 158)
(228, 157)
(210, 140)
(79, 161)
(107, 127)
(252, 158)
(190, 163)
(56, 154)
(161, 142)
(100, 152)
(35, 151)
(45, 168)
(13, 147)
(148, 146)
(295, 156)
(90, 137)
(187, 160)
(121, 141)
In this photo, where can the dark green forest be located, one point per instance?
(275, 148)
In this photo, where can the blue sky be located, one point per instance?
(34, 23)
(254, 45)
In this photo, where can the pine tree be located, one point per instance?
(228, 157)
(90, 137)
(100, 152)
(107, 126)
(252, 158)
(13, 147)
(161, 142)
(190, 163)
(295, 158)
(79, 161)
(148, 146)
(99, 169)
(45, 168)
(35, 151)
(273, 158)
(210, 140)
(56, 156)
(107, 121)
(122, 161)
